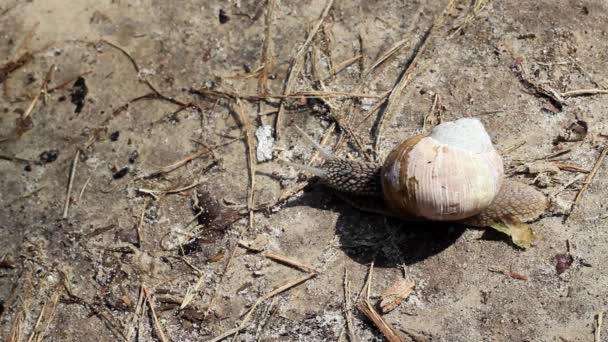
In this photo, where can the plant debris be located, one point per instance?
(521, 234)
(563, 262)
(78, 94)
(392, 297)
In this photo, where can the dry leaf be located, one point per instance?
(392, 297)
(520, 233)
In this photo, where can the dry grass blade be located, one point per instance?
(433, 118)
(396, 92)
(158, 327)
(46, 314)
(84, 187)
(341, 66)
(138, 70)
(248, 131)
(296, 95)
(280, 289)
(176, 165)
(219, 283)
(14, 65)
(386, 329)
(478, 5)
(266, 51)
(598, 326)
(296, 67)
(583, 92)
(589, 179)
(68, 197)
(348, 307)
(191, 292)
(41, 92)
(130, 326)
(245, 322)
(390, 52)
(229, 332)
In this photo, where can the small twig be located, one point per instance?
(41, 92)
(191, 291)
(583, 92)
(366, 285)
(598, 326)
(146, 81)
(230, 332)
(294, 263)
(265, 319)
(140, 223)
(266, 50)
(284, 260)
(385, 328)
(37, 322)
(508, 273)
(130, 327)
(66, 207)
(311, 94)
(245, 322)
(219, 283)
(159, 329)
(390, 52)
(247, 130)
(572, 181)
(431, 120)
(54, 300)
(348, 307)
(478, 6)
(86, 183)
(569, 167)
(296, 67)
(343, 65)
(374, 108)
(280, 289)
(68, 81)
(12, 66)
(176, 165)
(589, 179)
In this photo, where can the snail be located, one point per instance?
(453, 173)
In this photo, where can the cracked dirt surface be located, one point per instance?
(84, 271)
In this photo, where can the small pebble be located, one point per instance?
(265, 143)
(133, 156)
(48, 156)
(114, 135)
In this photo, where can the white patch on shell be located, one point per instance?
(467, 134)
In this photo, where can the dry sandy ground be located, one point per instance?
(82, 277)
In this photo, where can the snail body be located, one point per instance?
(452, 174)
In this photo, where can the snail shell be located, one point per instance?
(451, 174)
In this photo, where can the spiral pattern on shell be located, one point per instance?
(451, 174)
